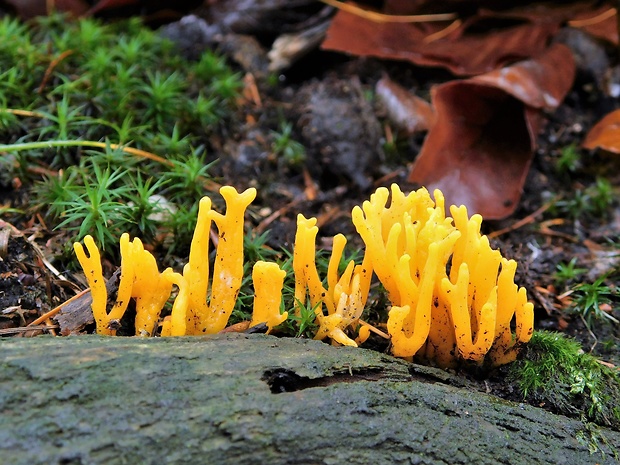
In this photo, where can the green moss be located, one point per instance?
(66, 85)
(555, 373)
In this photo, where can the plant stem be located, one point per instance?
(81, 143)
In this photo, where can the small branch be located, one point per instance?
(383, 18)
(210, 185)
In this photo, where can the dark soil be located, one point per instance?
(326, 97)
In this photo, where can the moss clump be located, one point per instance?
(73, 93)
(555, 373)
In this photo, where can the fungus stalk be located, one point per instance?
(268, 281)
(212, 317)
(345, 297)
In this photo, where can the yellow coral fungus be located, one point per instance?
(304, 265)
(91, 265)
(482, 281)
(453, 296)
(268, 280)
(408, 244)
(139, 279)
(345, 297)
(128, 273)
(150, 289)
(348, 311)
(196, 272)
(211, 318)
(435, 316)
(176, 325)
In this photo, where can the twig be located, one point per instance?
(25, 329)
(543, 302)
(18, 112)
(608, 364)
(52, 327)
(383, 18)
(589, 331)
(594, 20)
(374, 330)
(545, 229)
(51, 67)
(275, 215)
(210, 185)
(522, 222)
(387, 178)
(56, 310)
(444, 32)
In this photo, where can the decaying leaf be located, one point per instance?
(484, 41)
(601, 22)
(27, 9)
(605, 134)
(480, 149)
(408, 111)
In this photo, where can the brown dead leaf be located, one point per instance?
(480, 149)
(605, 134)
(155, 9)
(485, 41)
(408, 111)
(600, 22)
(540, 83)
(237, 328)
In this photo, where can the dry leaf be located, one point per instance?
(485, 41)
(480, 149)
(601, 22)
(605, 134)
(408, 111)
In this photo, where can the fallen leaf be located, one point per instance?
(27, 9)
(605, 134)
(408, 111)
(601, 22)
(485, 41)
(480, 149)
(240, 327)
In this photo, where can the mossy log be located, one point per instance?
(256, 399)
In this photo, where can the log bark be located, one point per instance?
(256, 399)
